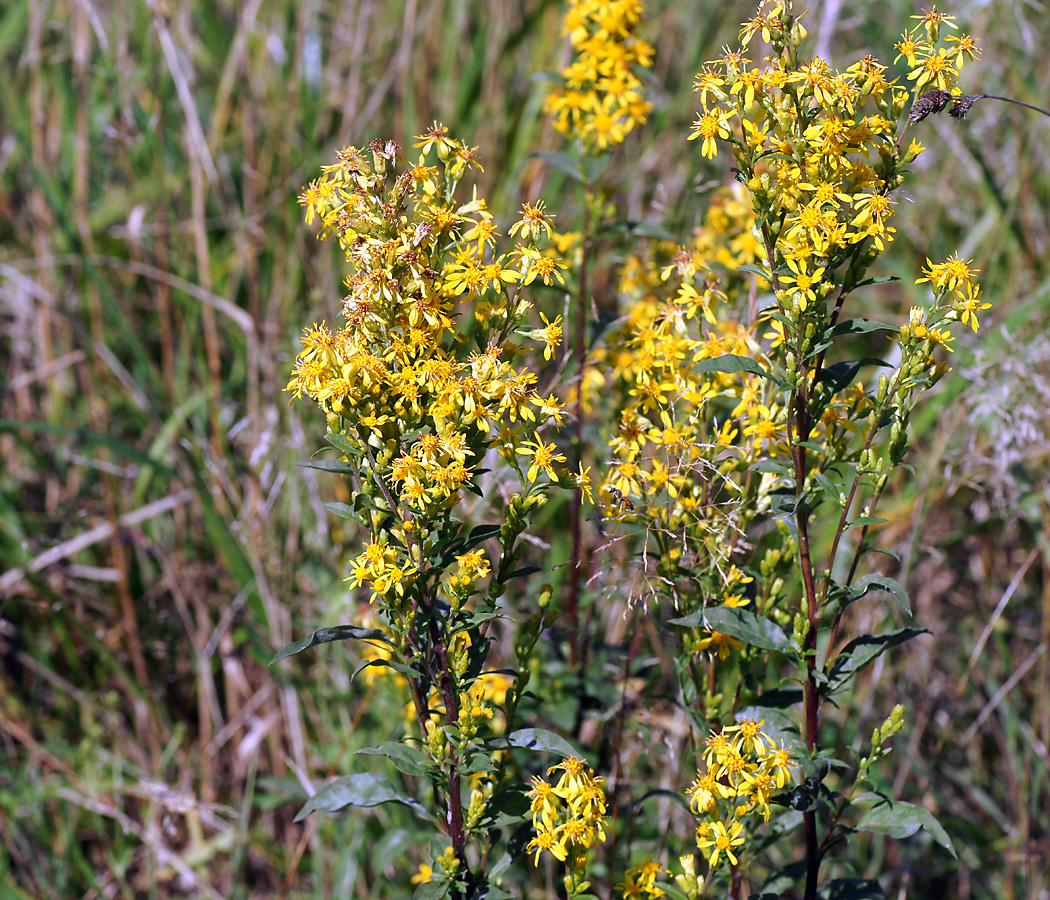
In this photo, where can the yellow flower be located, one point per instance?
(543, 457)
(710, 126)
(721, 840)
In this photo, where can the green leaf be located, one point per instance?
(343, 444)
(862, 521)
(401, 668)
(344, 512)
(593, 166)
(875, 582)
(432, 890)
(826, 485)
(362, 789)
(327, 636)
(563, 162)
(901, 820)
(864, 649)
(879, 279)
(731, 364)
(489, 891)
(853, 889)
(481, 533)
(862, 326)
(330, 465)
(540, 739)
(842, 374)
(773, 466)
(752, 269)
(407, 759)
(742, 624)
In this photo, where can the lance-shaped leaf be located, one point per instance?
(901, 820)
(740, 623)
(327, 636)
(731, 364)
(330, 465)
(536, 739)
(563, 162)
(361, 789)
(875, 582)
(862, 326)
(407, 759)
(862, 650)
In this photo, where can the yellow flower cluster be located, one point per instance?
(819, 159)
(640, 881)
(569, 815)
(933, 67)
(602, 99)
(954, 277)
(743, 772)
(414, 408)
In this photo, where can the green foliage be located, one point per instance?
(159, 541)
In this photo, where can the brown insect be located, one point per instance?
(621, 499)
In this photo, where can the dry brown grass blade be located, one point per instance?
(10, 580)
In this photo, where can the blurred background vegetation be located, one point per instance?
(158, 541)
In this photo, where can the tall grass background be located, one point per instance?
(158, 541)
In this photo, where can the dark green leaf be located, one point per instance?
(741, 624)
(563, 162)
(862, 521)
(879, 279)
(862, 326)
(826, 485)
(731, 364)
(489, 891)
(432, 890)
(673, 891)
(862, 650)
(523, 572)
(344, 512)
(875, 582)
(341, 442)
(900, 820)
(330, 465)
(755, 270)
(362, 789)
(481, 533)
(407, 759)
(401, 668)
(594, 166)
(853, 889)
(327, 636)
(774, 466)
(842, 374)
(539, 739)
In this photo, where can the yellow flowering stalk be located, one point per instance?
(740, 415)
(417, 388)
(601, 99)
(568, 816)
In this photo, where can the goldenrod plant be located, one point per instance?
(748, 449)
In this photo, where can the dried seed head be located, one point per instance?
(930, 103)
(962, 106)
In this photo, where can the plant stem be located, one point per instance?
(577, 495)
